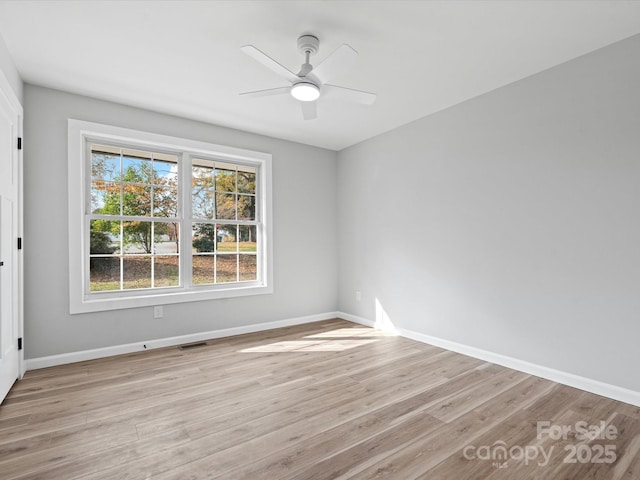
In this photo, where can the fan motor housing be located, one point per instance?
(308, 43)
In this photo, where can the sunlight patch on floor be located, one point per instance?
(333, 345)
(351, 332)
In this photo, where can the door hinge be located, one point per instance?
(19, 143)
(19, 343)
(19, 243)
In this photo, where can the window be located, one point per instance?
(157, 219)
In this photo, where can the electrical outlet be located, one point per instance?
(158, 312)
(358, 295)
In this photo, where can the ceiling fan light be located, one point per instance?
(305, 92)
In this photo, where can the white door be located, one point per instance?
(9, 259)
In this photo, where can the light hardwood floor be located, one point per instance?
(325, 400)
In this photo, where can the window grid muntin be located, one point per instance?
(237, 252)
(122, 255)
(184, 198)
(215, 165)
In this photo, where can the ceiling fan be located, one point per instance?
(310, 83)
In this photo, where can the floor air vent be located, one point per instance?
(189, 346)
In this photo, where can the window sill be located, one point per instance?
(113, 302)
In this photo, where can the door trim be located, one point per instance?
(7, 90)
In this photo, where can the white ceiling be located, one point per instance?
(184, 57)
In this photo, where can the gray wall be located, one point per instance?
(304, 209)
(9, 70)
(510, 222)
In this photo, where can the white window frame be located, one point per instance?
(80, 133)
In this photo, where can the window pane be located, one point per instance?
(105, 198)
(248, 267)
(226, 268)
(247, 238)
(226, 238)
(165, 202)
(136, 169)
(202, 177)
(165, 238)
(246, 181)
(136, 200)
(104, 165)
(104, 237)
(203, 237)
(203, 203)
(165, 172)
(136, 272)
(137, 237)
(226, 206)
(225, 179)
(202, 269)
(246, 207)
(166, 271)
(104, 274)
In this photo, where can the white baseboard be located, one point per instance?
(356, 319)
(80, 356)
(583, 383)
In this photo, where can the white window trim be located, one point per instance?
(79, 302)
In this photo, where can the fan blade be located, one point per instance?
(266, 93)
(333, 63)
(269, 62)
(348, 94)
(309, 110)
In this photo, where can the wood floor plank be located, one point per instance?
(464, 401)
(425, 451)
(301, 457)
(325, 400)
